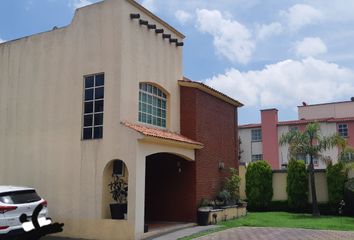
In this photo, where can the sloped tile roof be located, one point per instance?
(160, 133)
(205, 88)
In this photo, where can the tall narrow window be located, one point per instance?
(93, 106)
(152, 105)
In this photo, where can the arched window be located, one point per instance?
(152, 105)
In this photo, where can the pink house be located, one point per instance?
(261, 141)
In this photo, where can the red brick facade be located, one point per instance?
(213, 122)
(172, 194)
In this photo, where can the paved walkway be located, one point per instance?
(184, 232)
(248, 233)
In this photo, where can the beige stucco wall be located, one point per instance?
(279, 186)
(242, 174)
(41, 91)
(336, 110)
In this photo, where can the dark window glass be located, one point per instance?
(19, 197)
(88, 94)
(88, 119)
(99, 93)
(98, 133)
(99, 80)
(88, 107)
(87, 133)
(98, 119)
(99, 106)
(93, 107)
(89, 82)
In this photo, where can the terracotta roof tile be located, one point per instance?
(160, 133)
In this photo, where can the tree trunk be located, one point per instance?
(315, 210)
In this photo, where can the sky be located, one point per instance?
(263, 53)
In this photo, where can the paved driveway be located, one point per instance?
(248, 233)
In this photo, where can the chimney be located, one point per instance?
(270, 145)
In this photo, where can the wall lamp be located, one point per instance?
(158, 31)
(134, 16)
(151, 26)
(166, 36)
(143, 22)
(221, 166)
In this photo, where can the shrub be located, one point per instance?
(297, 185)
(336, 178)
(259, 184)
(232, 185)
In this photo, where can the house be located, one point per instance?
(261, 141)
(103, 95)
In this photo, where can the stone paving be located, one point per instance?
(255, 233)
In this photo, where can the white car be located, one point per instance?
(16, 201)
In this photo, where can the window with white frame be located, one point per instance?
(257, 157)
(293, 129)
(307, 159)
(256, 135)
(152, 105)
(93, 106)
(343, 130)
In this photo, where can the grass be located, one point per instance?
(285, 220)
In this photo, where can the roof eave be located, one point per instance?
(211, 91)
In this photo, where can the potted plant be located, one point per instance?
(119, 190)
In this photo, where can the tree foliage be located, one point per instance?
(259, 184)
(232, 185)
(336, 178)
(310, 142)
(297, 186)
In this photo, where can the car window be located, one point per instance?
(19, 197)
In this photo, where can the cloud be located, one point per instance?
(310, 47)
(79, 3)
(231, 39)
(300, 15)
(287, 83)
(265, 31)
(150, 4)
(183, 17)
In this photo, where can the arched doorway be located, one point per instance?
(169, 189)
(115, 187)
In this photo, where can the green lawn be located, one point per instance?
(286, 220)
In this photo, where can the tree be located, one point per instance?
(310, 143)
(297, 186)
(259, 184)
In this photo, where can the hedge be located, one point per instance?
(336, 178)
(259, 184)
(297, 186)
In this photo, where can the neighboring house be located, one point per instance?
(110, 87)
(261, 141)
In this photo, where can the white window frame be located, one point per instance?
(93, 101)
(257, 157)
(343, 130)
(152, 105)
(256, 135)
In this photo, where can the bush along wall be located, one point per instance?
(259, 185)
(297, 186)
(336, 178)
